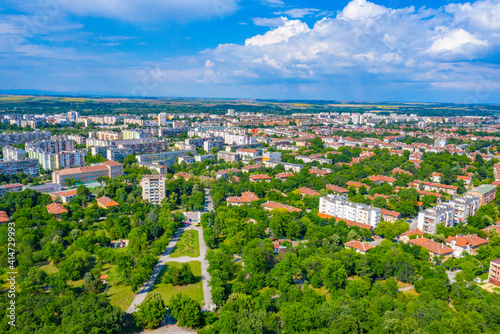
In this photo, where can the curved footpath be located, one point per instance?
(165, 257)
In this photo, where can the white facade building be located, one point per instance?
(338, 206)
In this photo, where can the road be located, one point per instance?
(165, 257)
(139, 297)
(209, 205)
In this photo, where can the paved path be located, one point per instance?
(410, 287)
(139, 297)
(165, 257)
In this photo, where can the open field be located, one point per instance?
(188, 245)
(195, 291)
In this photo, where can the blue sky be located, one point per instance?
(397, 50)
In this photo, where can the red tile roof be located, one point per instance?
(260, 177)
(413, 231)
(318, 171)
(246, 197)
(274, 205)
(284, 175)
(3, 217)
(471, 239)
(358, 245)
(56, 208)
(432, 246)
(390, 213)
(336, 189)
(357, 184)
(381, 178)
(308, 192)
(106, 202)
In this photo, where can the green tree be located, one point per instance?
(185, 310)
(151, 312)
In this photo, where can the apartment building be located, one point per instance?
(337, 206)
(106, 135)
(22, 137)
(431, 186)
(464, 206)
(51, 146)
(109, 169)
(153, 188)
(115, 153)
(12, 153)
(72, 158)
(228, 156)
(45, 188)
(162, 119)
(296, 168)
(485, 192)
(157, 167)
(27, 166)
(11, 188)
(208, 145)
(145, 158)
(465, 243)
(430, 218)
(136, 121)
(271, 156)
(80, 140)
(494, 273)
(200, 158)
(135, 134)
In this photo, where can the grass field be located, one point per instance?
(73, 99)
(14, 98)
(188, 245)
(195, 291)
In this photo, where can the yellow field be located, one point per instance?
(74, 99)
(14, 97)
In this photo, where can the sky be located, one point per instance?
(395, 50)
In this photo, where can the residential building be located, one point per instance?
(200, 158)
(208, 145)
(245, 198)
(270, 205)
(228, 156)
(156, 167)
(162, 119)
(379, 179)
(358, 246)
(260, 177)
(11, 188)
(186, 159)
(4, 218)
(465, 243)
(494, 272)
(12, 153)
(109, 169)
(45, 188)
(117, 154)
(153, 188)
(464, 206)
(337, 206)
(27, 166)
(271, 156)
(434, 248)
(56, 209)
(430, 218)
(65, 196)
(390, 216)
(485, 192)
(51, 146)
(431, 186)
(145, 158)
(283, 176)
(304, 191)
(337, 189)
(15, 138)
(405, 237)
(106, 202)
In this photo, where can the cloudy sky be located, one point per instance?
(396, 50)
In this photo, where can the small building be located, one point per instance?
(320, 172)
(245, 198)
(106, 202)
(65, 196)
(308, 192)
(56, 209)
(434, 248)
(260, 177)
(468, 243)
(390, 216)
(494, 274)
(270, 205)
(4, 218)
(405, 236)
(185, 176)
(379, 179)
(358, 246)
(283, 176)
(357, 185)
(337, 189)
(436, 177)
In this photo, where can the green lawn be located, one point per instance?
(188, 245)
(195, 291)
(49, 267)
(120, 295)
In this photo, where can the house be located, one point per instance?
(494, 273)
(3, 217)
(246, 197)
(390, 216)
(317, 171)
(251, 168)
(438, 196)
(468, 243)
(358, 246)
(337, 189)
(65, 196)
(308, 192)
(185, 176)
(434, 248)
(491, 228)
(436, 177)
(225, 172)
(260, 177)
(467, 179)
(106, 202)
(56, 209)
(405, 237)
(283, 176)
(357, 185)
(379, 179)
(270, 205)
(431, 186)
(398, 170)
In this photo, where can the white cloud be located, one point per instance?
(291, 28)
(141, 10)
(484, 14)
(298, 12)
(268, 22)
(362, 9)
(457, 42)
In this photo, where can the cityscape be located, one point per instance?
(250, 167)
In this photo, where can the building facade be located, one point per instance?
(153, 188)
(337, 206)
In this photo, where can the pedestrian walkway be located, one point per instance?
(165, 257)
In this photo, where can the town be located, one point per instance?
(207, 213)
